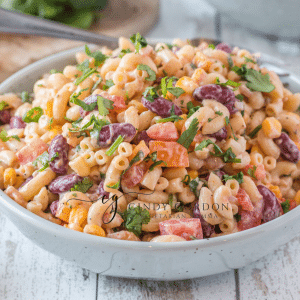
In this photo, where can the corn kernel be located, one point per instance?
(199, 75)
(187, 84)
(94, 229)
(63, 213)
(276, 190)
(19, 181)
(256, 148)
(297, 198)
(49, 109)
(78, 215)
(179, 124)
(9, 177)
(55, 131)
(193, 174)
(292, 103)
(202, 61)
(271, 127)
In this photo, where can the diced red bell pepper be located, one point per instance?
(163, 132)
(244, 200)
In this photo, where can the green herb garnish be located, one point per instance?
(33, 115)
(83, 186)
(227, 121)
(3, 104)
(254, 132)
(151, 73)
(4, 136)
(108, 84)
(150, 93)
(286, 206)
(188, 135)
(114, 146)
(239, 177)
(97, 55)
(104, 105)
(138, 41)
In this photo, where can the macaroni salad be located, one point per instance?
(165, 143)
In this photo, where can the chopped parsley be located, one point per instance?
(44, 160)
(138, 41)
(219, 113)
(124, 51)
(192, 184)
(4, 136)
(83, 186)
(188, 135)
(212, 46)
(97, 55)
(171, 199)
(167, 86)
(231, 83)
(99, 80)
(54, 71)
(227, 121)
(25, 97)
(50, 123)
(239, 97)
(115, 186)
(251, 172)
(150, 93)
(108, 84)
(3, 104)
(285, 206)
(104, 105)
(151, 73)
(157, 163)
(33, 115)
(193, 66)
(230, 62)
(237, 217)
(254, 132)
(247, 59)
(239, 177)
(86, 72)
(87, 107)
(256, 80)
(134, 218)
(204, 144)
(114, 146)
(191, 108)
(172, 118)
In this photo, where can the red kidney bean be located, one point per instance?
(109, 133)
(17, 122)
(4, 117)
(134, 175)
(219, 93)
(207, 229)
(224, 47)
(101, 192)
(288, 148)
(60, 147)
(64, 183)
(161, 107)
(219, 135)
(143, 136)
(54, 207)
(272, 207)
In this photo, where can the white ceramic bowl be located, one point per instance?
(161, 261)
(273, 17)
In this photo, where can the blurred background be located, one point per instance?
(272, 27)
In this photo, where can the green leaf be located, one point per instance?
(3, 104)
(251, 172)
(96, 84)
(172, 118)
(170, 198)
(134, 218)
(114, 146)
(151, 73)
(104, 105)
(239, 177)
(230, 62)
(247, 59)
(97, 55)
(188, 135)
(230, 157)
(33, 115)
(54, 71)
(256, 80)
(237, 217)
(25, 97)
(115, 186)
(108, 83)
(193, 185)
(231, 83)
(124, 51)
(212, 46)
(204, 144)
(157, 163)
(138, 41)
(87, 107)
(191, 108)
(239, 97)
(254, 132)
(86, 73)
(167, 86)
(286, 206)
(176, 91)
(186, 179)
(44, 160)
(227, 121)
(83, 186)
(4, 136)
(150, 93)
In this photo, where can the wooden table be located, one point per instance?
(29, 273)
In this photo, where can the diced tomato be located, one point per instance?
(293, 204)
(31, 151)
(259, 171)
(174, 154)
(163, 132)
(244, 200)
(143, 149)
(186, 228)
(119, 101)
(250, 219)
(134, 175)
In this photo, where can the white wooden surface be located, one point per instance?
(30, 273)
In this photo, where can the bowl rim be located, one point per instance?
(68, 234)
